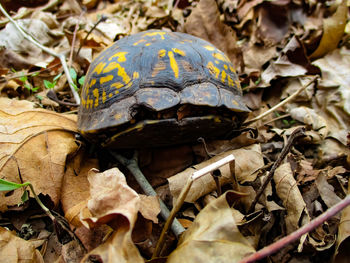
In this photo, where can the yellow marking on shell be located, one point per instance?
(128, 85)
(217, 119)
(179, 51)
(117, 85)
(225, 66)
(229, 81)
(232, 69)
(210, 48)
(106, 79)
(161, 53)
(104, 96)
(98, 69)
(223, 76)
(188, 40)
(181, 42)
(97, 95)
(120, 55)
(147, 44)
(136, 75)
(117, 91)
(83, 101)
(221, 57)
(122, 73)
(161, 34)
(213, 70)
(217, 62)
(138, 42)
(89, 102)
(110, 95)
(235, 102)
(110, 67)
(173, 64)
(118, 116)
(237, 83)
(92, 82)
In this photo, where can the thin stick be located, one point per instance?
(290, 98)
(181, 199)
(133, 167)
(269, 250)
(295, 135)
(47, 50)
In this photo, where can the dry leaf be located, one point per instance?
(288, 191)
(213, 236)
(113, 202)
(75, 187)
(248, 160)
(332, 100)
(204, 22)
(17, 250)
(13, 40)
(326, 191)
(342, 251)
(333, 30)
(34, 145)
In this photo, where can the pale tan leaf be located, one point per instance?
(204, 22)
(342, 252)
(248, 160)
(114, 202)
(213, 236)
(333, 30)
(17, 250)
(34, 145)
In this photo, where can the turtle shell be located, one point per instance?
(159, 88)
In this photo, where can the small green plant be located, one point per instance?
(50, 85)
(74, 77)
(10, 186)
(24, 79)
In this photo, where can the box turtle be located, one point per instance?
(158, 88)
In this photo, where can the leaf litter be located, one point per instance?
(276, 46)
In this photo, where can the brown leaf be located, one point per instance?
(333, 101)
(111, 199)
(213, 235)
(333, 30)
(34, 145)
(113, 202)
(204, 22)
(288, 191)
(326, 191)
(248, 160)
(342, 252)
(75, 187)
(150, 207)
(17, 250)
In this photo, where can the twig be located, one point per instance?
(295, 135)
(102, 19)
(290, 98)
(181, 199)
(28, 11)
(47, 50)
(133, 167)
(269, 250)
(74, 38)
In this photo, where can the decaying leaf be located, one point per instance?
(13, 40)
(333, 30)
(34, 145)
(287, 189)
(342, 251)
(213, 236)
(333, 100)
(204, 22)
(112, 201)
(248, 160)
(17, 250)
